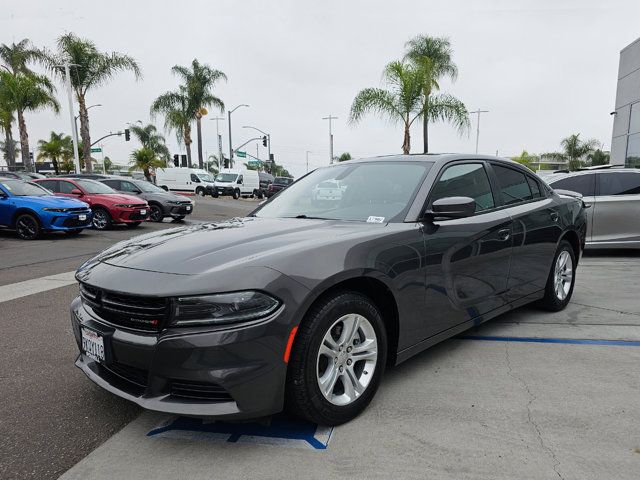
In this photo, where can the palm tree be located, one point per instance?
(92, 68)
(144, 159)
(598, 157)
(344, 157)
(26, 92)
(433, 57)
(54, 148)
(401, 103)
(15, 57)
(213, 164)
(149, 137)
(177, 117)
(9, 144)
(574, 151)
(199, 81)
(526, 159)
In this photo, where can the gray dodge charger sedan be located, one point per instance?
(303, 303)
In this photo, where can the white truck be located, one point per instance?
(237, 183)
(185, 180)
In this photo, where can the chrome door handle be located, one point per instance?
(504, 234)
(554, 217)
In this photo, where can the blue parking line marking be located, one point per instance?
(565, 341)
(280, 430)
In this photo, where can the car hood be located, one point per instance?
(214, 247)
(55, 202)
(164, 197)
(119, 198)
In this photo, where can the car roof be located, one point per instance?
(560, 175)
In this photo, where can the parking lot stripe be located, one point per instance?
(567, 341)
(36, 285)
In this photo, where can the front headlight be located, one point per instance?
(223, 308)
(59, 210)
(124, 205)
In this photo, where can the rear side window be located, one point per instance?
(535, 187)
(618, 183)
(465, 180)
(583, 184)
(513, 185)
(50, 185)
(115, 184)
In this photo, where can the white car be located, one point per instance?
(185, 180)
(237, 183)
(328, 190)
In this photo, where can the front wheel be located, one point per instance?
(156, 213)
(101, 219)
(561, 279)
(236, 194)
(28, 227)
(337, 360)
(200, 191)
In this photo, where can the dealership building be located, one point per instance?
(625, 142)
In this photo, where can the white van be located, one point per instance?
(238, 183)
(184, 180)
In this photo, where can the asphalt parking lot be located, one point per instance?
(531, 395)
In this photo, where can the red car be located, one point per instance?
(109, 207)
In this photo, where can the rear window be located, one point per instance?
(283, 180)
(583, 184)
(618, 183)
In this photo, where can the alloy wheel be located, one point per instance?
(563, 276)
(27, 227)
(156, 213)
(100, 219)
(347, 359)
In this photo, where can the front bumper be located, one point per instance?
(67, 221)
(129, 215)
(227, 190)
(178, 210)
(225, 372)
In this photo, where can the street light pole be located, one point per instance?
(75, 119)
(307, 153)
(220, 159)
(268, 139)
(74, 132)
(478, 112)
(230, 142)
(330, 137)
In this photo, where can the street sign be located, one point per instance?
(96, 150)
(254, 163)
(241, 154)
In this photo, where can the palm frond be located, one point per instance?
(447, 108)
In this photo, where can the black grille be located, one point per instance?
(129, 373)
(74, 222)
(130, 311)
(210, 392)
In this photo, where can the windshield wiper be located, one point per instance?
(302, 215)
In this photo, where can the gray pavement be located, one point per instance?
(465, 409)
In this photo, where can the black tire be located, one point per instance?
(101, 219)
(156, 215)
(133, 224)
(215, 194)
(74, 232)
(236, 194)
(28, 226)
(260, 195)
(200, 192)
(552, 300)
(304, 397)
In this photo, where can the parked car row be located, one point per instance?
(71, 204)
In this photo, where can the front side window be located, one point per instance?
(66, 187)
(618, 183)
(50, 185)
(513, 185)
(583, 184)
(375, 192)
(129, 187)
(115, 184)
(465, 180)
(194, 178)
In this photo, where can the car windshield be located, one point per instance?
(24, 189)
(91, 186)
(147, 187)
(206, 177)
(226, 177)
(368, 192)
(283, 180)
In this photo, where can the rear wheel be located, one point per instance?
(337, 360)
(101, 219)
(133, 224)
(28, 227)
(561, 279)
(156, 214)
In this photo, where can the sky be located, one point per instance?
(543, 69)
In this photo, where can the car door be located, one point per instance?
(583, 183)
(536, 228)
(467, 258)
(616, 216)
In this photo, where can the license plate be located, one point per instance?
(82, 217)
(92, 344)
(143, 212)
(188, 208)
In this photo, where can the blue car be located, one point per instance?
(31, 210)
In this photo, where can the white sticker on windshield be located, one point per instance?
(373, 219)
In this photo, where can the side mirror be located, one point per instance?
(452, 207)
(137, 192)
(76, 191)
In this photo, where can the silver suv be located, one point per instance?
(614, 197)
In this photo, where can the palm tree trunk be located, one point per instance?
(24, 141)
(406, 145)
(54, 160)
(10, 148)
(84, 133)
(425, 125)
(199, 132)
(187, 144)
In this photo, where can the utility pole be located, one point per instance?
(220, 159)
(478, 112)
(308, 152)
(74, 133)
(330, 137)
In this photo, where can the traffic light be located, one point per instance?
(264, 141)
(176, 160)
(127, 135)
